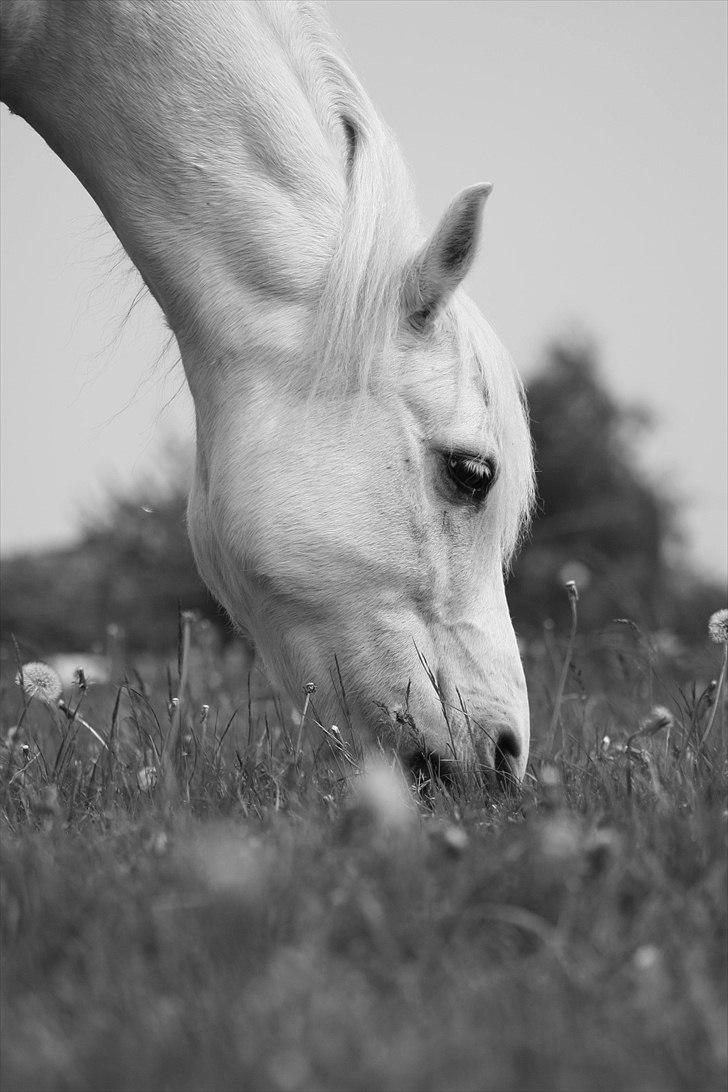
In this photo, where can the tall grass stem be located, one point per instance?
(718, 698)
(556, 715)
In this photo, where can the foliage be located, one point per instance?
(600, 520)
(132, 568)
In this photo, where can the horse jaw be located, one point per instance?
(317, 525)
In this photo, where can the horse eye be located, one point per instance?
(472, 475)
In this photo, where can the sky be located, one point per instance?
(602, 126)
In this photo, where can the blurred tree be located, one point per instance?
(131, 569)
(600, 521)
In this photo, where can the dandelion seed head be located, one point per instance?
(657, 718)
(39, 680)
(646, 957)
(454, 839)
(381, 797)
(147, 778)
(718, 627)
(575, 572)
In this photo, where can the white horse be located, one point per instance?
(364, 466)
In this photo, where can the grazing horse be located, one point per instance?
(363, 468)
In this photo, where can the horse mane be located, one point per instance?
(359, 318)
(378, 233)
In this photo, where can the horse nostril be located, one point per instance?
(507, 753)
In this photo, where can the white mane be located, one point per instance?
(359, 316)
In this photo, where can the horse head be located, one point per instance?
(363, 462)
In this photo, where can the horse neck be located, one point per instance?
(219, 168)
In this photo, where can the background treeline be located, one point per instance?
(601, 520)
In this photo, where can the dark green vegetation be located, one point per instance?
(256, 921)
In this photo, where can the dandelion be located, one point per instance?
(39, 680)
(718, 627)
(718, 630)
(381, 798)
(575, 572)
(572, 590)
(309, 688)
(454, 839)
(658, 718)
(147, 778)
(646, 958)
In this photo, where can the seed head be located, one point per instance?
(39, 680)
(718, 627)
(147, 778)
(572, 590)
(658, 717)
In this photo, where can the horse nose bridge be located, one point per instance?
(480, 668)
(482, 690)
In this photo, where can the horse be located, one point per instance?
(363, 467)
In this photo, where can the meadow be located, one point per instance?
(207, 891)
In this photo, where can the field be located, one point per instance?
(204, 904)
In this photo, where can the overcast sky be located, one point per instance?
(602, 126)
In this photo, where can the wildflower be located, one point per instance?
(381, 798)
(575, 572)
(718, 627)
(38, 680)
(646, 958)
(572, 590)
(454, 839)
(657, 718)
(718, 630)
(147, 778)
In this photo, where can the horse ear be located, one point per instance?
(445, 258)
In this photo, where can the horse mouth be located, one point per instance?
(500, 775)
(492, 759)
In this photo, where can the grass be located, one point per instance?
(270, 923)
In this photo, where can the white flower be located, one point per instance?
(147, 778)
(39, 680)
(718, 627)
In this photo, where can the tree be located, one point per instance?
(600, 520)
